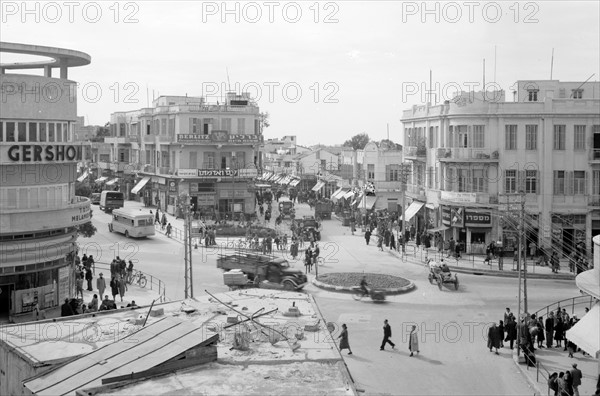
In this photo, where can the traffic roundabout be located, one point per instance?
(346, 282)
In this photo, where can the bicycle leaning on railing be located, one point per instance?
(137, 278)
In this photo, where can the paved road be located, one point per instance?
(454, 359)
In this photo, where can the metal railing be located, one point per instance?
(580, 302)
(154, 283)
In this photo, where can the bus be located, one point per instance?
(132, 223)
(110, 200)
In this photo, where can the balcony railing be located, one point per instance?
(594, 200)
(467, 153)
(415, 151)
(595, 155)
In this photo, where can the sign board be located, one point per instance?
(206, 199)
(458, 197)
(446, 216)
(478, 219)
(218, 137)
(40, 153)
(187, 172)
(172, 186)
(217, 172)
(63, 284)
(457, 217)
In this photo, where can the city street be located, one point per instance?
(452, 324)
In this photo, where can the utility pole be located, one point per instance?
(187, 243)
(524, 248)
(404, 173)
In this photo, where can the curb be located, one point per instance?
(508, 274)
(344, 289)
(535, 385)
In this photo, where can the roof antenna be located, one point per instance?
(552, 64)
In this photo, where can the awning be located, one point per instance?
(140, 185)
(111, 182)
(101, 179)
(349, 194)
(367, 202)
(412, 210)
(286, 180)
(430, 206)
(585, 332)
(318, 186)
(295, 182)
(83, 177)
(438, 229)
(262, 185)
(335, 194)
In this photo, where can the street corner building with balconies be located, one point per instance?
(39, 212)
(477, 156)
(186, 146)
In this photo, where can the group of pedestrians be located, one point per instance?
(566, 383)
(413, 339)
(311, 256)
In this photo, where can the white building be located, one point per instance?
(470, 152)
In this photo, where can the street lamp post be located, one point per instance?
(187, 243)
(521, 266)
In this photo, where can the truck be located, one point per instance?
(262, 271)
(323, 209)
(310, 226)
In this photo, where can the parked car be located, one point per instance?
(95, 198)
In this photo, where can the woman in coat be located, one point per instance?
(344, 339)
(511, 330)
(121, 288)
(501, 331)
(559, 332)
(413, 341)
(550, 330)
(114, 287)
(541, 331)
(493, 338)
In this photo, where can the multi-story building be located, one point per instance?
(471, 154)
(185, 145)
(39, 211)
(279, 155)
(381, 165)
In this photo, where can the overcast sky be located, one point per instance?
(347, 66)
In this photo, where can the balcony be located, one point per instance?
(122, 139)
(415, 152)
(458, 154)
(469, 197)
(595, 156)
(594, 200)
(388, 186)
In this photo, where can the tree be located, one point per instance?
(264, 121)
(101, 133)
(357, 142)
(88, 229)
(83, 189)
(386, 143)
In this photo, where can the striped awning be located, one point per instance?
(367, 202)
(101, 179)
(294, 182)
(335, 194)
(111, 182)
(83, 177)
(318, 186)
(349, 194)
(140, 185)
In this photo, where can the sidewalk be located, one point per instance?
(473, 264)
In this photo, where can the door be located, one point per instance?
(568, 241)
(194, 203)
(5, 293)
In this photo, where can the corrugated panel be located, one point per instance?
(143, 350)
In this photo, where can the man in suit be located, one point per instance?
(576, 375)
(387, 334)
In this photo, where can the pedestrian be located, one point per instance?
(387, 334)
(568, 383)
(88, 278)
(559, 332)
(392, 242)
(493, 338)
(553, 383)
(307, 260)
(114, 287)
(511, 330)
(380, 243)
(413, 341)
(549, 325)
(163, 222)
(129, 273)
(576, 375)
(541, 332)
(507, 314)
(65, 309)
(457, 251)
(79, 289)
(93, 305)
(169, 228)
(501, 333)
(101, 284)
(121, 287)
(562, 385)
(368, 236)
(344, 339)
(451, 246)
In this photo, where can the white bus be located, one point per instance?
(132, 223)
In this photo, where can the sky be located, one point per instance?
(324, 71)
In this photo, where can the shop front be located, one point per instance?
(470, 227)
(568, 231)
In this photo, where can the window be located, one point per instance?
(59, 134)
(104, 158)
(148, 159)
(559, 137)
(33, 132)
(510, 181)
(193, 160)
(392, 172)
(479, 136)
(194, 125)
(122, 129)
(206, 122)
(559, 182)
(51, 132)
(531, 137)
(209, 160)
(42, 132)
(163, 126)
(10, 131)
(532, 95)
(226, 124)
(462, 136)
(371, 171)
(431, 137)
(510, 137)
(22, 131)
(463, 180)
(479, 182)
(577, 93)
(596, 183)
(579, 183)
(531, 182)
(579, 137)
(430, 176)
(171, 126)
(1, 131)
(241, 126)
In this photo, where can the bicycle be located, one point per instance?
(138, 278)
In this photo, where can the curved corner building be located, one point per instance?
(39, 211)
